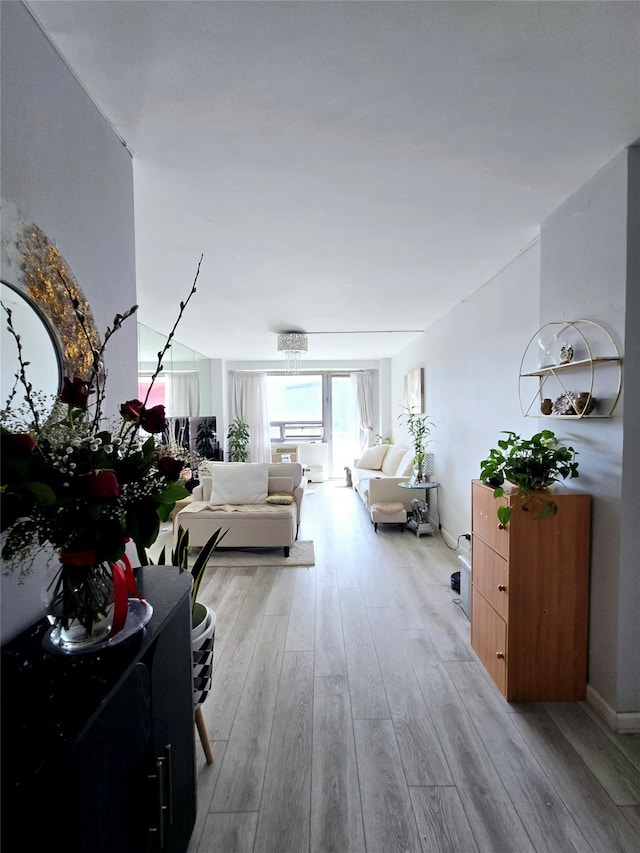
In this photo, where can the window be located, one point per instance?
(295, 407)
(315, 407)
(158, 396)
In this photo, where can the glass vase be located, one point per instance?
(419, 475)
(81, 605)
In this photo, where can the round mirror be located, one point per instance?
(39, 347)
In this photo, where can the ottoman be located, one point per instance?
(388, 513)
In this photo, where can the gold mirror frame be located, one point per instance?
(40, 271)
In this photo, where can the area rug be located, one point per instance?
(300, 554)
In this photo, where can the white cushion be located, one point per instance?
(405, 468)
(239, 483)
(391, 507)
(373, 457)
(392, 460)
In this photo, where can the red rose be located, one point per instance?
(153, 420)
(20, 444)
(103, 484)
(75, 393)
(170, 467)
(131, 410)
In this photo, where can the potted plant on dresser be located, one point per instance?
(531, 466)
(530, 570)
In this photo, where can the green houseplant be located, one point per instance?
(419, 428)
(382, 439)
(531, 465)
(203, 625)
(180, 558)
(206, 438)
(238, 439)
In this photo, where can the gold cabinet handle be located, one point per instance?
(500, 655)
(501, 587)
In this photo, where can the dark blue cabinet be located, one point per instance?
(98, 749)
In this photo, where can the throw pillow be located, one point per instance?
(405, 468)
(373, 457)
(239, 483)
(392, 460)
(280, 499)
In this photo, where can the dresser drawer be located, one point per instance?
(484, 518)
(490, 574)
(489, 639)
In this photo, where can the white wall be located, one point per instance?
(586, 266)
(629, 586)
(585, 275)
(471, 360)
(68, 173)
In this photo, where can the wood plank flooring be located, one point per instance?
(349, 713)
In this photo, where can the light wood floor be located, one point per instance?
(348, 713)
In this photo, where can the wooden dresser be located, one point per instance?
(530, 595)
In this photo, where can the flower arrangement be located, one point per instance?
(80, 486)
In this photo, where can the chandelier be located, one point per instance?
(292, 344)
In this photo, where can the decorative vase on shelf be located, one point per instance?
(546, 406)
(584, 403)
(81, 607)
(566, 354)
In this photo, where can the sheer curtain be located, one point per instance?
(183, 395)
(250, 405)
(364, 397)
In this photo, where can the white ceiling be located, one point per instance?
(346, 166)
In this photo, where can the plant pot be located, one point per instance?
(202, 640)
(199, 619)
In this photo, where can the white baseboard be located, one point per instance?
(622, 723)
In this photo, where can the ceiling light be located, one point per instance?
(292, 344)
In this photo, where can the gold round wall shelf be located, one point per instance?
(570, 369)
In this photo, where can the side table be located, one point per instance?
(423, 525)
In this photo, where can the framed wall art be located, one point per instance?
(414, 390)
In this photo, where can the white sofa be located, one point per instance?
(246, 499)
(378, 471)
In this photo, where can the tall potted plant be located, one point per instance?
(531, 465)
(206, 438)
(238, 441)
(419, 428)
(203, 625)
